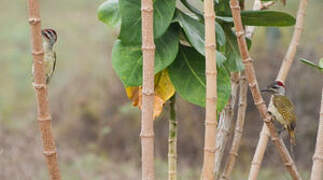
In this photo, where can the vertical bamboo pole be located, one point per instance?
(225, 124)
(172, 141)
(238, 128)
(44, 118)
(253, 84)
(317, 169)
(282, 75)
(147, 126)
(211, 92)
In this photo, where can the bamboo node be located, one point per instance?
(47, 118)
(234, 5)
(147, 135)
(211, 123)
(210, 72)
(147, 9)
(148, 92)
(288, 164)
(148, 48)
(299, 27)
(34, 21)
(255, 163)
(317, 157)
(210, 150)
(253, 84)
(238, 130)
(260, 102)
(239, 33)
(171, 172)
(212, 98)
(37, 53)
(234, 154)
(248, 60)
(172, 155)
(49, 153)
(38, 86)
(209, 16)
(211, 45)
(274, 138)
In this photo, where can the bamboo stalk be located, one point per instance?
(211, 92)
(225, 124)
(282, 75)
(44, 117)
(317, 169)
(172, 141)
(147, 128)
(259, 102)
(238, 128)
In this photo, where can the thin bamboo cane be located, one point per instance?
(225, 124)
(44, 117)
(211, 92)
(172, 141)
(259, 102)
(317, 169)
(238, 128)
(282, 75)
(147, 128)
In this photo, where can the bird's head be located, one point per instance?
(49, 36)
(275, 88)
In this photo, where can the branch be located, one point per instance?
(238, 128)
(284, 69)
(44, 117)
(211, 92)
(172, 141)
(147, 129)
(253, 84)
(225, 124)
(317, 169)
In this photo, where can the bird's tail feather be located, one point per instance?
(292, 142)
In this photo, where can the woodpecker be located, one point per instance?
(49, 37)
(282, 109)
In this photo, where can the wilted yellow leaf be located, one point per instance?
(164, 90)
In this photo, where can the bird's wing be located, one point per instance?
(286, 108)
(54, 66)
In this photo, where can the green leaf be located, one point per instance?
(187, 73)
(267, 18)
(130, 32)
(108, 13)
(319, 66)
(321, 63)
(231, 51)
(127, 59)
(194, 31)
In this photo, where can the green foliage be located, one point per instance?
(187, 72)
(194, 31)
(108, 12)
(130, 32)
(127, 59)
(188, 76)
(267, 18)
(316, 66)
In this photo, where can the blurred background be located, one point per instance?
(95, 126)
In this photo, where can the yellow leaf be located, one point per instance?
(164, 90)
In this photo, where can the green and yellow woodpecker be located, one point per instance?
(282, 108)
(49, 37)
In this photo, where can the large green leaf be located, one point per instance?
(260, 18)
(127, 59)
(231, 51)
(267, 18)
(130, 32)
(194, 31)
(108, 13)
(187, 74)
